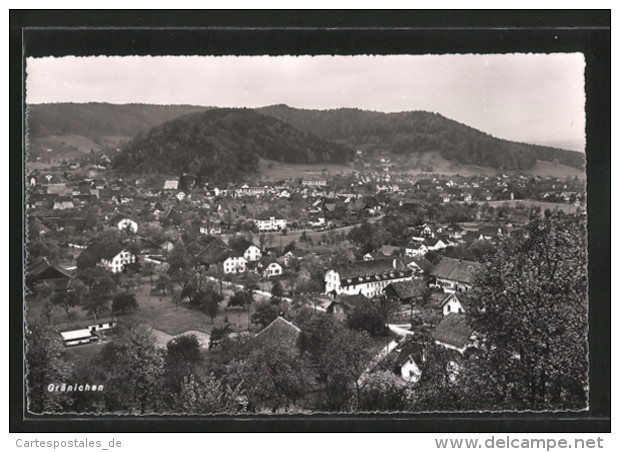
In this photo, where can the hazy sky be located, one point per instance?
(524, 97)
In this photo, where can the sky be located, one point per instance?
(534, 98)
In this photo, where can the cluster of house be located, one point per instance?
(356, 283)
(430, 237)
(243, 256)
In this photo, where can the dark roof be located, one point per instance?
(456, 270)
(436, 300)
(470, 236)
(46, 269)
(216, 254)
(352, 301)
(406, 290)
(242, 245)
(106, 251)
(453, 330)
(364, 268)
(281, 332)
(412, 349)
(268, 214)
(489, 230)
(447, 298)
(423, 263)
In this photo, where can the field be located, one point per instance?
(568, 208)
(67, 146)
(158, 312)
(273, 170)
(445, 167)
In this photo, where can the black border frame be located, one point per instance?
(134, 32)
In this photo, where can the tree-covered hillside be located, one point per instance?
(222, 143)
(419, 131)
(100, 119)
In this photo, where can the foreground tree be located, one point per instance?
(45, 365)
(207, 395)
(531, 310)
(133, 383)
(180, 360)
(339, 356)
(272, 375)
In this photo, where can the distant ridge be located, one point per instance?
(224, 143)
(392, 133)
(420, 131)
(100, 119)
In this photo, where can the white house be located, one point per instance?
(248, 250)
(451, 304)
(113, 258)
(271, 269)
(414, 249)
(124, 223)
(368, 278)
(234, 264)
(270, 222)
(408, 360)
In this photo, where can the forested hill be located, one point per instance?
(419, 131)
(100, 119)
(221, 143)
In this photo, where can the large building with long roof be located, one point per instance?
(368, 278)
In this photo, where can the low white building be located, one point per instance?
(315, 181)
(368, 278)
(270, 222)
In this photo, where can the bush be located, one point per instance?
(124, 302)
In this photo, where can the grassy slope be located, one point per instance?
(279, 171)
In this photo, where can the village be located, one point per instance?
(375, 248)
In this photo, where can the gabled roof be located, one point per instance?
(46, 269)
(242, 245)
(268, 214)
(281, 332)
(410, 349)
(348, 302)
(105, 251)
(423, 263)
(456, 270)
(453, 330)
(406, 290)
(364, 268)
